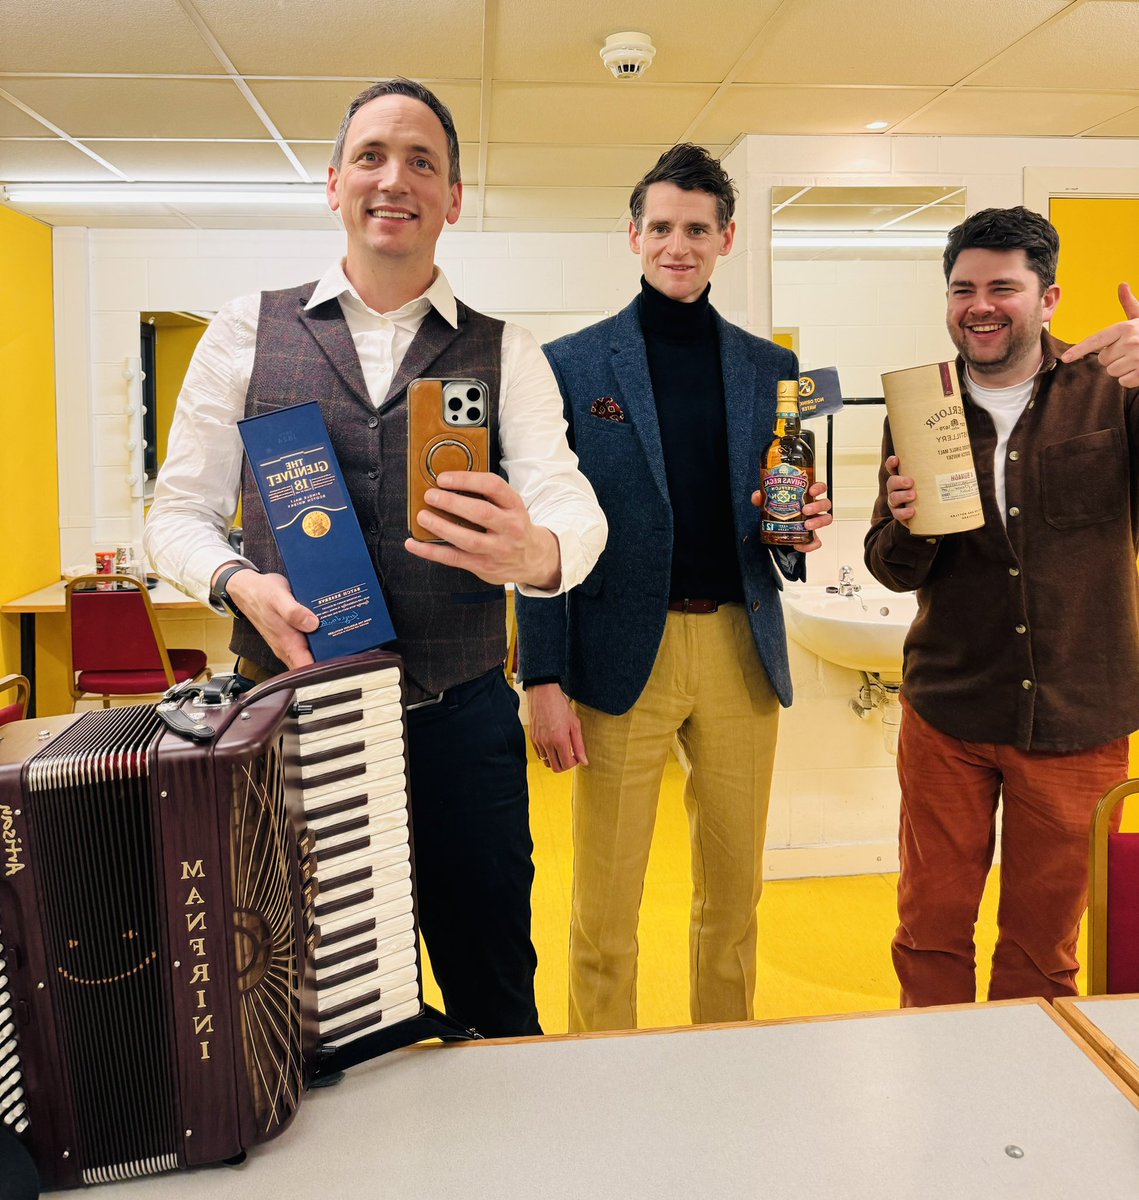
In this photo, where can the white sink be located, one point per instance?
(864, 631)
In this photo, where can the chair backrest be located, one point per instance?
(1113, 898)
(18, 709)
(112, 627)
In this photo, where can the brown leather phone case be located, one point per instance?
(448, 429)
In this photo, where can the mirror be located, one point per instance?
(168, 341)
(857, 283)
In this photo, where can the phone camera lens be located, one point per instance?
(473, 414)
(454, 404)
(474, 395)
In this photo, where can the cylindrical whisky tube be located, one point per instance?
(927, 423)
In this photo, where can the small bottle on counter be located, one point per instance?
(787, 471)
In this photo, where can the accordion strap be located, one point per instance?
(429, 1024)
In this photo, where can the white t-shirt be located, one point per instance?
(1004, 405)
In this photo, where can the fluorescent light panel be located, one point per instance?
(179, 197)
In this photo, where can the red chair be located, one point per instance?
(1113, 899)
(115, 647)
(19, 709)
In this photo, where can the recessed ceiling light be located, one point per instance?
(877, 125)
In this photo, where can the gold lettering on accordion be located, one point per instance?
(194, 906)
(12, 843)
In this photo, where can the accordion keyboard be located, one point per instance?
(353, 774)
(12, 1106)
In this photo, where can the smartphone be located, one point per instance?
(448, 429)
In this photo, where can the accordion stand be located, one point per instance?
(206, 907)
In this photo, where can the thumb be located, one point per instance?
(1127, 299)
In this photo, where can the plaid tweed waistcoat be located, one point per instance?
(450, 625)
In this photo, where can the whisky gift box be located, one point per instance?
(326, 560)
(931, 440)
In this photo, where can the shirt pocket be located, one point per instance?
(1084, 480)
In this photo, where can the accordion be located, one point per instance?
(206, 906)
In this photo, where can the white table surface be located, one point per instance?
(917, 1106)
(51, 599)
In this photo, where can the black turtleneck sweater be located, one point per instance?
(683, 348)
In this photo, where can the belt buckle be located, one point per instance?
(431, 700)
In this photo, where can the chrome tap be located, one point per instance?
(846, 584)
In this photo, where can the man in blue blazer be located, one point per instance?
(678, 630)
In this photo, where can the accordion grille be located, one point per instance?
(263, 849)
(90, 815)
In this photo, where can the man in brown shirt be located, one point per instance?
(1021, 666)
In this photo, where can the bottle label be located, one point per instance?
(784, 494)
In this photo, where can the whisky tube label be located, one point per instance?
(931, 440)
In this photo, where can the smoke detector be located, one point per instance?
(628, 54)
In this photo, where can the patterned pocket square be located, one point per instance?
(607, 409)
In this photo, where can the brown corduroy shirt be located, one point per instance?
(1028, 635)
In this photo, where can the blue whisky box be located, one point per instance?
(310, 512)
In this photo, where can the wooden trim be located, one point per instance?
(1114, 1062)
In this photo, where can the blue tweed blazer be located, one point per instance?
(601, 639)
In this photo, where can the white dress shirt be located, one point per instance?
(197, 490)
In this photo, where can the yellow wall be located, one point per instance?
(1099, 249)
(174, 347)
(29, 516)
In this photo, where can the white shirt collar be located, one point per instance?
(334, 283)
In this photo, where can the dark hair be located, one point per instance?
(693, 169)
(399, 86)
(1016, 228)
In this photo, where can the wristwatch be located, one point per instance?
(220, 588)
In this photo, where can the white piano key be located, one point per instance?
(373, 773)
(403, 1006)
(385, 677)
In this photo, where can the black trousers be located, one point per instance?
(473, 854)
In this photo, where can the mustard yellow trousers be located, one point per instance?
(708, 689)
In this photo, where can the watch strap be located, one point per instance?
(221, 586)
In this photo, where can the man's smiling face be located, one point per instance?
(679, 240)
(391, 187)
(996, 309)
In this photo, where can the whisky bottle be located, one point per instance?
(788, 470)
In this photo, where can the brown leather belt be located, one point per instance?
(693, 606)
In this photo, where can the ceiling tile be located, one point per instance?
(313, 109)
(553, 166)
(747, 108)
(113, 35)
(199, 162)
(314, 157)
(981, 111)
(1125, 125)
(424, 39)
(1105, 33)
(642, 112)
(563, 41)
(48, 161)
(131, 108)
(891, 42)
(14, 122)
